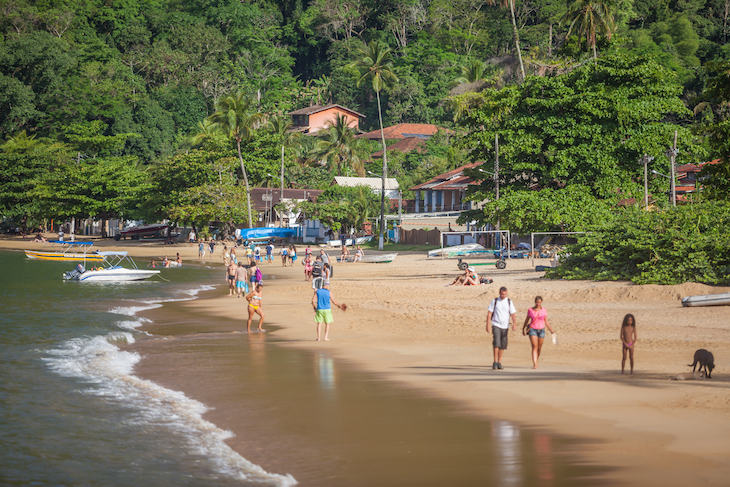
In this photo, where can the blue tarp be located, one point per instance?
(264, 233)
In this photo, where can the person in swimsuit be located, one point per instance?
(293, 254)
(241, 277)
(345, 253)
(308, 268)
(179, 259)
(628, 340)
(254, 307)
(231, 278)
(535, 322)
(471, 277)
(359, 254)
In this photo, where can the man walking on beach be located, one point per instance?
(324, 256)
(499, 312)
(322, 302)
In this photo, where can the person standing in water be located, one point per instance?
(628, 340)
(254, 307)
(499, 313)
(535, 322)
(322, 302)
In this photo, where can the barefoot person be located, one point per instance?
(241, 279)
(535, 322)
(254, 307)
(628, 340)
(322, 302)
(499, 313)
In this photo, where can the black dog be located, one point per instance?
(704, 359)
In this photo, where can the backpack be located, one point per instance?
(317, 269)
(259, 276)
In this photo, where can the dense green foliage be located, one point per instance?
(686, 244)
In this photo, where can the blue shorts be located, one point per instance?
(242, 285)
(537, 333)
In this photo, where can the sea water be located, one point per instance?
(73, 412)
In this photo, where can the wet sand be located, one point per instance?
(405, 326)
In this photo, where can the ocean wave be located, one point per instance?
(99, 361)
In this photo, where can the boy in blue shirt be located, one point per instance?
(322, 302)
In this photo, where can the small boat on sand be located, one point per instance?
(61, 250)
(721, 299)
(110, 271)
(348, 242)
(373, 258)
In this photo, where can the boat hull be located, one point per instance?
(722, 299)
(348, 242)
(116, 275)
(69, 256)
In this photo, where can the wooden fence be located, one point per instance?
(420, 237)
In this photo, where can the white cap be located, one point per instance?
(471, 269)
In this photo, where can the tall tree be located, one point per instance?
(376, 64)
(511, 5)
(233, 118)
(592, 18)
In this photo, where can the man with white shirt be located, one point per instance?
(499, 313)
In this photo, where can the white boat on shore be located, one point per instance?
(458, 250)
(348, 242)
(372, 258)
(721, 299)
(110, 271)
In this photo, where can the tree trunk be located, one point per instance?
(517, 37)
(245, 180)
(382, 178)
(550, 41)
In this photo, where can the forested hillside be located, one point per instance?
(578, 90)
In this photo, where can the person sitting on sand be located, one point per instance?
(359, 254)
(471, 277)
(40, 238)
(535, 322)
(628, 340)
(254, 307)
(460, 279)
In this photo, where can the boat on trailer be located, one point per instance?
(62, 250)
(110, 271)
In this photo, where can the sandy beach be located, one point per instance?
(405, 325)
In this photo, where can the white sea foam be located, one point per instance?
(97, 360)
(133, 310)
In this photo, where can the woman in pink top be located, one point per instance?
(536, 322)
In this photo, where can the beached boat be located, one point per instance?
(372, 258)
(265, 233)
(157, 230)
(110, 271)
(60, 250)
(379, 259)
(472, 250)
(348, 242)
(721, 299)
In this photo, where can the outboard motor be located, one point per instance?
(74, 274)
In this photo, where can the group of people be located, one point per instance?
(469, 278)
(501, 311)
(165, 262)
(359, 254)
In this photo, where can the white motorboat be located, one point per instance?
(61, 250)
(110, 270)
(721, 299)
(348, 242)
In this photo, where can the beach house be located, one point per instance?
(311, 120)
(444, 193)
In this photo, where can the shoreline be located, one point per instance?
(403, 325)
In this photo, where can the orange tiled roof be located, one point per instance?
(406, 145)
(405, 130)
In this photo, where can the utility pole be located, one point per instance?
(281, 195)
(646, 160)
(672, 154)
(496, 172)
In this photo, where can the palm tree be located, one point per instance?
(338, 146)
(279, 126)
(205, 129)
(232, 118)
(511, 5)
(593, 18)
(377, 65)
